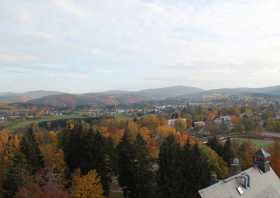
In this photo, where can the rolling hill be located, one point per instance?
(117, 97)
(24, 97)
(169, 92)
(94, 99)
(226, 92)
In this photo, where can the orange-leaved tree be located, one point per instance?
(87, 186)
(275, 157)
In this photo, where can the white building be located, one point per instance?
(223, 120)
(172, 122)
(199, 124)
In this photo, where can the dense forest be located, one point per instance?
(134, 157)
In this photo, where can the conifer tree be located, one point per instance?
(185, 186)
(144, 178)
(228, 153)
(126, 156)
(71, 144)
(215, 145)
(14, 177)
(31, 152)
(98, 160)
(112, 152)
(135, 168)
(182, 170)
(199, 176)
(85, 149)
(169, 175)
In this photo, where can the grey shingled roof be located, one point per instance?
(262, 185)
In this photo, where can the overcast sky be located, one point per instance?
(94, 45)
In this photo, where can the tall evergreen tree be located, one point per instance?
(228, 153)
(199, 176)
(182, 170)
(126, 157)
(112, 152)
(185, 186)
(30, 149)
(71, 143)
(214, 144)
(135, 168)
(96, 158)
(169, 175)
(143, 176)
(14, 177)
(84, 148)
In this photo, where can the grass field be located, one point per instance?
(116, 195)
(259, 143)
(19, 124)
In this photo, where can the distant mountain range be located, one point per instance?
(226, 92)
(117, 97)
(9, 97)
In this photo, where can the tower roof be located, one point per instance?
(262, 185)
(263, 153)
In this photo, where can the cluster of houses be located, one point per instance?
(226, 120)
(3, 118)
(54, 113)
(201, 129)
(222, 120)
(15, 116)
(276, 115)
(131, 112)
(6, 115)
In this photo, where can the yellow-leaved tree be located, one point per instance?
(275, 157)
(87, 186)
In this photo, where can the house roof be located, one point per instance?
(262, 185)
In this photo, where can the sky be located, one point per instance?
(82, 46)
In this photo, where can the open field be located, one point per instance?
(19, 124)
(258, 142)
(116, 195)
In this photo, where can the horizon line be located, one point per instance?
(134, 90)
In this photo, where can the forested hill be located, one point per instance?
(60, 99)
(116, 97)
(9, 97)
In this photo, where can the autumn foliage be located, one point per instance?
(275, 157)
(87, 186)
(144, 155)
